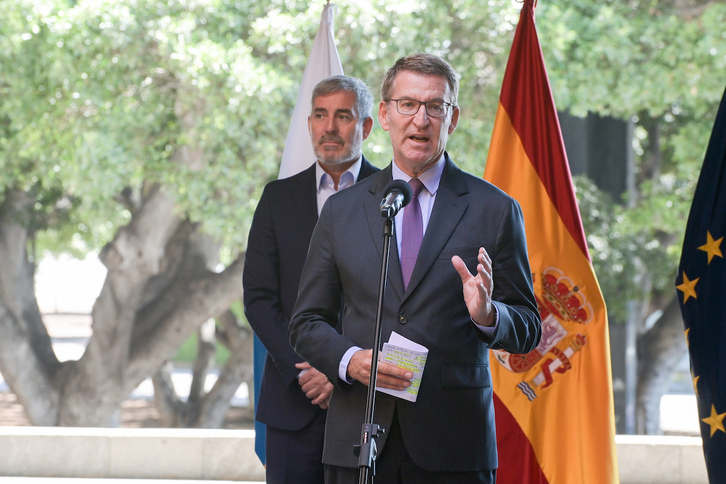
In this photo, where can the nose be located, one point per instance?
(331, 126)
(421, 118)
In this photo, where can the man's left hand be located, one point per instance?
(477, 288)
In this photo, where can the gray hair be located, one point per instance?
(363, 95)
(425, 64)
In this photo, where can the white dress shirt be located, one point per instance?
(325, 186)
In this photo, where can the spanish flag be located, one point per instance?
(554, 406)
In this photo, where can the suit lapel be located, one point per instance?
(306, 201)
(448, 209)
(375, 226)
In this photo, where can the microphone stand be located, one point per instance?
(367, 450)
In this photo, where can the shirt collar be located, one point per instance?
(323, 178)
(431, 178)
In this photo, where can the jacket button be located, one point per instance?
(403, 319)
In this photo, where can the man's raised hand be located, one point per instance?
(477, 288)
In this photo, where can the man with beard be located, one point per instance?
(294, 396)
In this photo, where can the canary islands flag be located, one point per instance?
(554, 406)
(323, 62)
(701, 288)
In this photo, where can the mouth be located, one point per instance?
(331, 147)
(335, 141)
(419, 139)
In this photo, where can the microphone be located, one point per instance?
(398, 194)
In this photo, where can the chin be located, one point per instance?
(422, 159)
(336, 160)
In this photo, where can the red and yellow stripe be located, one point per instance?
(566, 433)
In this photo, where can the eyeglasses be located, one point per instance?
(409, 107)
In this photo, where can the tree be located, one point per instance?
(140, 100)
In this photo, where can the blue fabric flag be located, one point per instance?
(259, 365)
(701, 288)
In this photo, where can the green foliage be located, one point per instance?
(634, 250)
(472, 36)
(620, 58)
(127, 93)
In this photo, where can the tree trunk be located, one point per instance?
(208, 410)
(659, 351)
(97, 385)
(206, 352)
(238, 369)
(158, 290)
(27, 360)
(170, 406)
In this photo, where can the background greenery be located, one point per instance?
(89, 102)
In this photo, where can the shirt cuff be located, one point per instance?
(344, 361)
(489, 331)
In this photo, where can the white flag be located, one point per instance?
(323, 62)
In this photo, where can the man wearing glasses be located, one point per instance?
(459, 284)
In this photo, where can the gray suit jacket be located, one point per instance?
(451, 425)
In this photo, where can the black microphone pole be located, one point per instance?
(367, 450)
(370, 431)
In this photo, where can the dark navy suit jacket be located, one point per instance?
(451, 425)
(278, 243)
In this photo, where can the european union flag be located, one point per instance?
(701, 284)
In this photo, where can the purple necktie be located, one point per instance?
(412, 233)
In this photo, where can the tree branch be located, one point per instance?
(207, 297)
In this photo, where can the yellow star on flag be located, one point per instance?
(688, 287)
(712, 247)
(715, 420)
(695, 385)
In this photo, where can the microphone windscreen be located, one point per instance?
(403, 187)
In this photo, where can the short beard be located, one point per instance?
(351, 154)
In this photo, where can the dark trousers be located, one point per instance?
(395, 466)
(295, 457)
